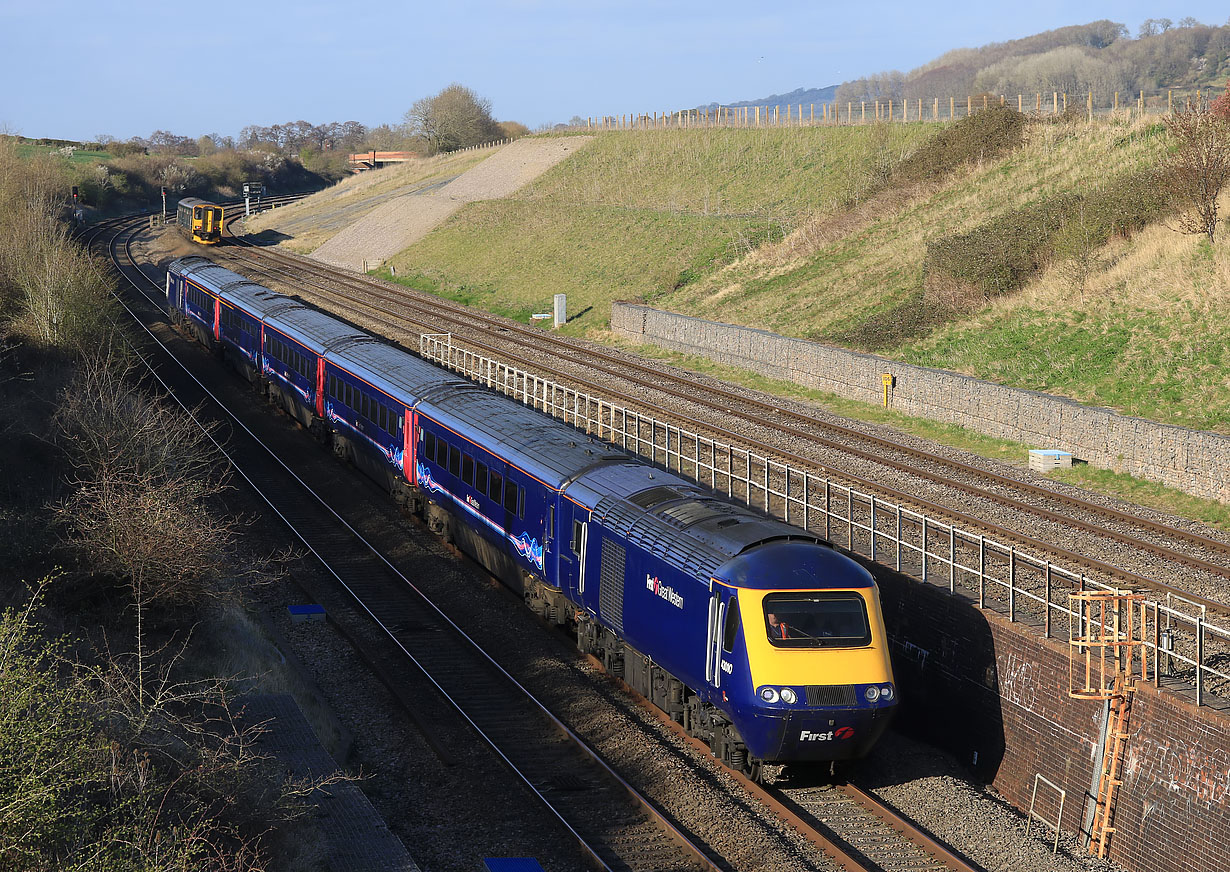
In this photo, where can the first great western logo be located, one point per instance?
(655, 586)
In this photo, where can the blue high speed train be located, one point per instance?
(756, 636)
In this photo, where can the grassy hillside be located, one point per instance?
(812, 233)
(641, 215)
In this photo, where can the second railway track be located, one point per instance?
(1159, 543)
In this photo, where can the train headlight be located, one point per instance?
(789, 696)
(872, 693)
(768, 694)
(886, 693)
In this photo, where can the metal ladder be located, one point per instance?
(1106, 635)
(1112, 764)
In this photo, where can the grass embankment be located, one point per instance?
(640, 215)
(313, 221)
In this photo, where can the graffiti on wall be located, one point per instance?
(1185, 770)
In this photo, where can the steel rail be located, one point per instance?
(896, 826)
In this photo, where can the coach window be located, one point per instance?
(429, 445)
(497, 486)
(576, 537)
(467, 469)
(442, 453)
(480, 478)
(510, 497)
(454, 460)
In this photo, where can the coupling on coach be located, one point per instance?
(756, 636)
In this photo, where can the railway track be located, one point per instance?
(391, 309)
(567, 777)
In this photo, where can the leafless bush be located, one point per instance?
(55, 286)
(146, 477)
(1197, 171)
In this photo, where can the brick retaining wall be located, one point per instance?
(1192, 460)
(997, 692)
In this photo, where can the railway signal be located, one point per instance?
(252, 189)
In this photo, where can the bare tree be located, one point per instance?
(455, 118)
(1197, 171)
(146, 474)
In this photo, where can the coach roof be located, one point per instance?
(547, 449)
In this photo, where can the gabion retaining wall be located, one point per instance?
(1194, 461)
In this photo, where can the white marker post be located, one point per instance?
(561, 310)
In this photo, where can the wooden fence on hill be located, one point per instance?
(895, 110)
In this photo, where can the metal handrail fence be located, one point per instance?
(997, 576)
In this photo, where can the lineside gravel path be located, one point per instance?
(404, 220)
(1117, 540)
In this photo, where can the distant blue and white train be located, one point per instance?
(756, 636)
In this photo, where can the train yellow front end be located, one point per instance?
(201, 220)
(819, 680)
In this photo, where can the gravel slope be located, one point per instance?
(404, 220)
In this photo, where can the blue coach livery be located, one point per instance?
(756, 636)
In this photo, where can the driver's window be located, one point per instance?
(732, 626)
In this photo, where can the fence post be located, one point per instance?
(969, 105)
(952, 559)
(1038, 109)
(952, 108)
(1199, 660)
(1012, 585)
(1054, 102)
(1018, 104)
(1047, 630)
(1090, 102)
(1170, 101)
(864, 105)
(982, 571)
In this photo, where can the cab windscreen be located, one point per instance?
(819, 619)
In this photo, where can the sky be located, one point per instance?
(74, 69)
